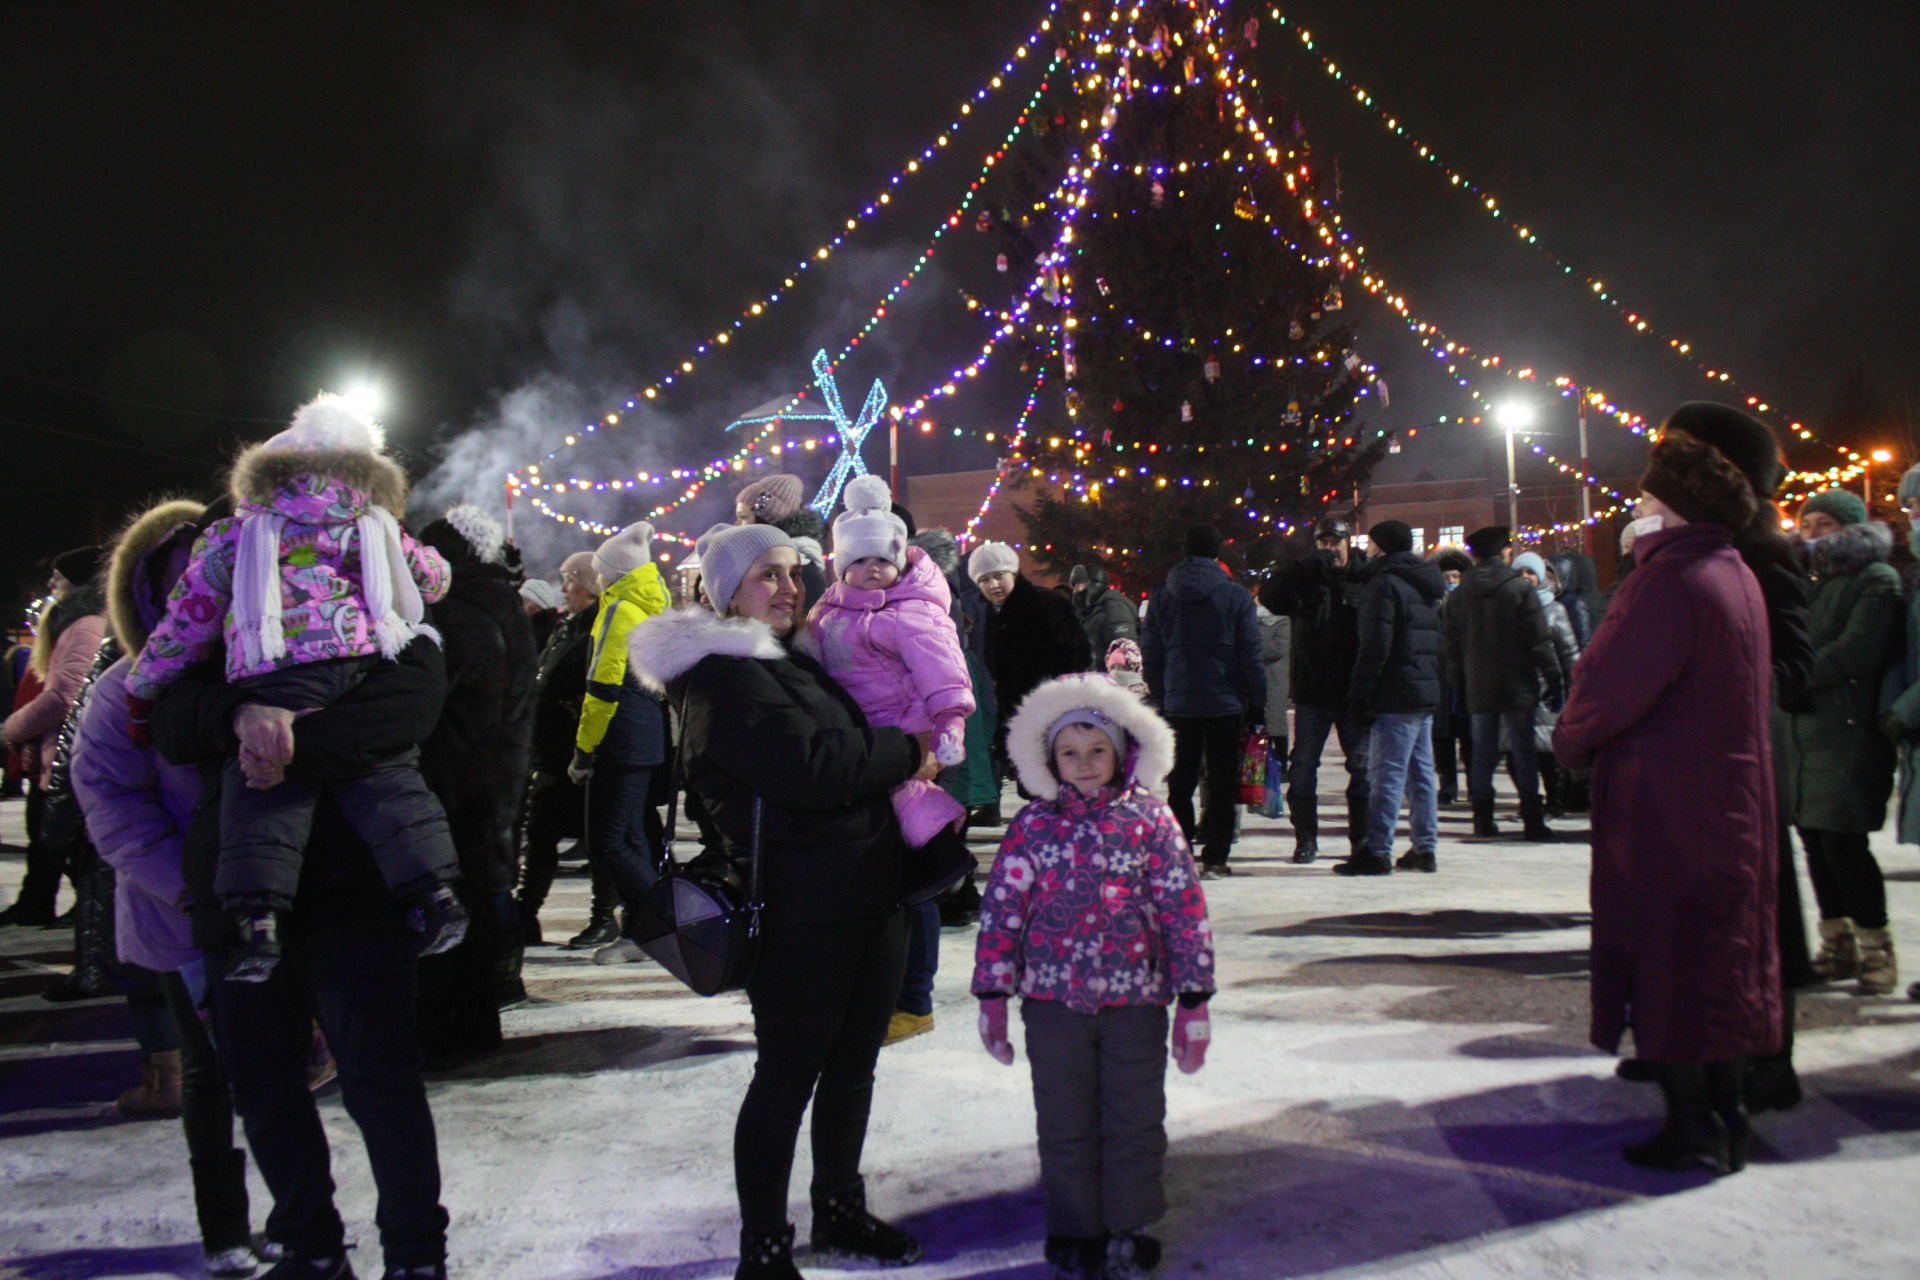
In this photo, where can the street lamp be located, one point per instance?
(1513, 415)
(1866, 474)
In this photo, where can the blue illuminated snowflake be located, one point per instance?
(853, 433)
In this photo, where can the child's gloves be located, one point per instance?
(139, 720)
(1192, 1031)
(993, 1029)
(950, 741)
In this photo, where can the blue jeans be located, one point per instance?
(923, 958)
(1311, 725)
(1486, 756)
(1400, 762)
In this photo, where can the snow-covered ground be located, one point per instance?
(1400, 1086)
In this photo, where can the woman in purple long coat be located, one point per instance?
(1669, 708)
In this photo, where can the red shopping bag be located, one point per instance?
(1253, 767)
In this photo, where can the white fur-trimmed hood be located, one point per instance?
(1150, 757)
(671, 643)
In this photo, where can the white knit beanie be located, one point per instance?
(727, 551)
(540, 593)
(330, 422)
(868, 526)
(624, 552)
(992, 557)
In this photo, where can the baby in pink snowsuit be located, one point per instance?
(885, 632)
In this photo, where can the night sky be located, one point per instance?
(516, 215)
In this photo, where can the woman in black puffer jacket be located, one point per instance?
(765, 726)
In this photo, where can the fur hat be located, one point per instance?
(1489, 542)
(1748, 443)
(1391, 536)
(466, 533)
(540, 593)
(770, 499)
(1843, 506)
(1055, 703)
(992, 557)
(1910, 485)
(868, 526)
(940, 546)
(624, 552)
(1699, 482)
(1455, 561)
(727, 551)
(80, 564)
(328, 436)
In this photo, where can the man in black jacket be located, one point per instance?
(1396, 681)
(1500, 652)
(1105, 614)
(1321, 594)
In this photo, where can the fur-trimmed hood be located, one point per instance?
(941, 548)
(1149, 757)
(148, 558)
(1851, 549)
(262, 472)
(670, 644)
(84, 601)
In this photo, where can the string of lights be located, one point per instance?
(1595, 288)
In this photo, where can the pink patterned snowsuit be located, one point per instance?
(897, 654)
(324, 612)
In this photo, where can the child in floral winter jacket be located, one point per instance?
(1095, 916)
(309, 583)
(885, 631)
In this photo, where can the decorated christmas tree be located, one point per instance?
(1179, 258)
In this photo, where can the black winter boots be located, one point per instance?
(842, 1226)
(767, 1255)
(1706, 1126)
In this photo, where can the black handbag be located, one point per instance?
(696, 920)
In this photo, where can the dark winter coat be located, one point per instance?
(1107, 616)
(475, 759)
(387, 713)
(1498, 645)
(1669, 708)
(1323, 599)
(1202, 645)
(973, 781)
(559, 688)
(759, 719)
(1034, 636)
(1839, 763)
(1397, 668)
(1905, 708)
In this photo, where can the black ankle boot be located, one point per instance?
(440, 918)
(259, 952)
(1693, 1135)
(767, 1255)
(1772, 1083)
(842, 1225)
(1726, 1085)
(1483, 824)
(1076, 1257)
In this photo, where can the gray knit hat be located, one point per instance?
(771, 498)
(727, 551)
(540, 593)
(624, 552)
(992, 557)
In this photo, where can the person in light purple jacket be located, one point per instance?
(138, 809)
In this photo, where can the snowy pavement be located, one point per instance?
(1400, 1086)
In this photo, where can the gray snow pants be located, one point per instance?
(264, 834)
(1099, 1094)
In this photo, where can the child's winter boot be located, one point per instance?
(1878, 970)
(1839, 955)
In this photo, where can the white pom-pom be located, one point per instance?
(482, 532)
(332, 422)
(868, 493)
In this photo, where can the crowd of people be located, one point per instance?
(312, 775)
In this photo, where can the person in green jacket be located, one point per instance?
(1839, 764)
(622, 740)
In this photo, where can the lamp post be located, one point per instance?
(1514, 415)
(1866, 475)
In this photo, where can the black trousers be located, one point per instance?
(1846, 877)
(45, 865)
(821, 999)
(1215, 742)
(556, 810)
(206, 1114)
(359, 983)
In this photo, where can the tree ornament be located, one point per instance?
(1186, 411)
(1333, 301)
(1189, 69)
(1001, 264)
(1157, 194)
(984, 222)
(1073, 400)
(1252, 32)
(1105, 288)
(1380, 385)
(1106, 437)
(1295, 329)
(1292, 417)
(1119, 405)
(1245, 208)
(1211, 369)
(1352, 361)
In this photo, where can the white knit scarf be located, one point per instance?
(392, 597)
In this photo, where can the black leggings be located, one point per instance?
(1846, 877)
(206, 1113)
(821, 995)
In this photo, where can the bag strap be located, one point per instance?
(753, 874)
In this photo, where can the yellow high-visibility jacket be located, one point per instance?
(624, 605)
